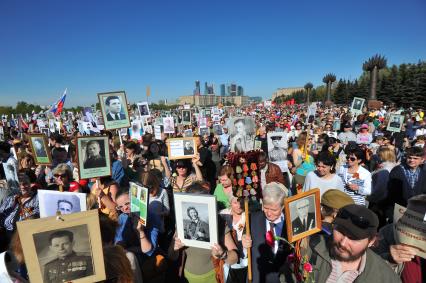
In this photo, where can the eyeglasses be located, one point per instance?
(119, 207)
(60, 175)
(359, 221)
(350, 158)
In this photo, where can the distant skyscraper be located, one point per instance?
(222, 90)
(206, 88)
(233, 90)
(197, 90)
(240, 91)
(210, 89)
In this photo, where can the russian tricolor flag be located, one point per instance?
(56, 108)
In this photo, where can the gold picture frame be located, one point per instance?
(178, 148)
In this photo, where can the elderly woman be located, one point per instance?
(63, 180)
(20, 206)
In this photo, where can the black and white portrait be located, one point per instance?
(64, 254)
(357, 105)
(188, 147)
(38, 144)
(204, 131)
(196, 219)
(302, 213)
(114, 108)
(277, 146)
(169, 125)
(45, 131)
(217, 129)
(94, 154)
(202, 122)
(395, 122)
(196, 222)
(242, 131)
(143, 109)
(52, 202)
(188, 133)
(186, 117)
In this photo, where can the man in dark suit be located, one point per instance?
(305, 220)
(188, 148)
(114, 108)
(268, 255)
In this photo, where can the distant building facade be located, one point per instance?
(212, 100)
(285, 91)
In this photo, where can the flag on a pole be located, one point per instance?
(148, 91)
(56, 108)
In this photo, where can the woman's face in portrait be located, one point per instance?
(93, 149)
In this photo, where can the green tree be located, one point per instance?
(329, 79)
(308, 87)
(373, 65)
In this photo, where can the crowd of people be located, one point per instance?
(360, 168)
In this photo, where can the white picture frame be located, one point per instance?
(50, 202)
(206, 210)
(143, 109)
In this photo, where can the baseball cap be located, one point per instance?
(356, 221)
(337, 199)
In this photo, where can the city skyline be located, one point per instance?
(99, 46)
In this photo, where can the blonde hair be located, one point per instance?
(386, 154)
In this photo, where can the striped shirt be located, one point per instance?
(11, 211)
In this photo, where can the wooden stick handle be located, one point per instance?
(246, 212)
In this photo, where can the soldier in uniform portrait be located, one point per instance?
(277, 153)
(68, 265)
(196, 229)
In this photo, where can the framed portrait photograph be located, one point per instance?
(139, 201)
(204, 131)
(217, 129)
(357, 105)
(336, 125)
(136, 131)
(93, 157)
(143, 108)
(196, 219)
(148, 129)
(114, 110)
(186, 117)
(40, 149)
(64, 249)
(181, 148)
(242, 131)
(207, 112)
(52, 203)
(395, 123)
(277, 149)
(169, 125)
(158, 129)
(303, 215)
(188, 133)
(202, 122)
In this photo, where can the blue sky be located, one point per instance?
(98, 46)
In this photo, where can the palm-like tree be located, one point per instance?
(328, 80)
(308, 87)
(373, 65)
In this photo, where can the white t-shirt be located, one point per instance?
(313, 181)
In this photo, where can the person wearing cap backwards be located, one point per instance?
(347, 135)
(403, 258)
(346, 256)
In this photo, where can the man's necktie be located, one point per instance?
(270, 235)
(304, 225)
(117, 116)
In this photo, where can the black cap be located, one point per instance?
(357, 222)
(276, 137)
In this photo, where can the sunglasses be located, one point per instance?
(350, 158)
(180, 167)
(121, 206)
(359, 221)
(60, 175)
